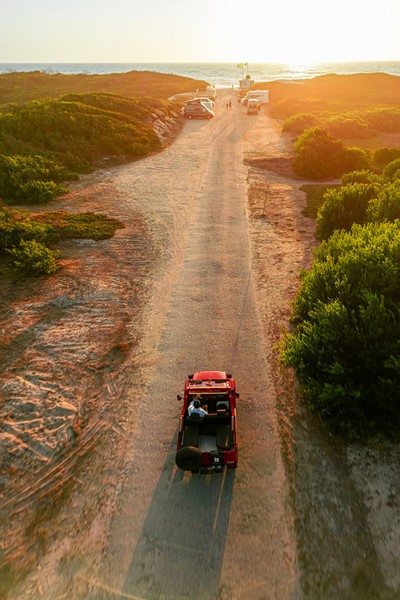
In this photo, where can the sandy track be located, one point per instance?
(198, 278)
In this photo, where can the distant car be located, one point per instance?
(207, 443)
(253, 106)
(261, 95)
(194, 110)
(206, 101)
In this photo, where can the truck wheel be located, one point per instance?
(189, 458)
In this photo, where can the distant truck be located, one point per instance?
(253, 106)
(261, 95)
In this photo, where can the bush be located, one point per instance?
(383, 156)
(348, 126)
(299, 122)
(346, 342)
(362, 176)
(39, 192)
(30, 179)
(383, 119)
(19, 228)
(289, 106)
(386, 207)
(315, 194)
(391, 171)
(319, 155)
(354, 159)
(31, 258)
(343, 207)
(13, 231)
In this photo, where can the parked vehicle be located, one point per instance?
(261, 95)
(206, 101)
(253, 106)
(207, 444)
(197, 111)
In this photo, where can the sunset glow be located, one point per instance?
(186, 31)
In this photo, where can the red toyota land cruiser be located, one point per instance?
(207, 442)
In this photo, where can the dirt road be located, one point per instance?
(201, 277)
(175, 535)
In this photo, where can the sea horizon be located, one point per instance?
(220, 75)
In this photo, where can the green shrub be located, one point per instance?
(13, 231)
(383, 118)
(83, 129)
(348, 126)
(391, 171)
(30, 179)
(39, 192)
(31, 258)
(354, 159)
(386, 207)
(315, 198)
(383, 156)
(81, 225)
(343, 207)
(288, 106)
(362, 176)
(299, 122)
(346, 342)
(318, 155)
(19, 228)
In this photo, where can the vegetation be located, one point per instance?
(31, 258)
(299, 122)
(30, 179)
(345, 346)
(363, 198)
(48, 136)
(318, 155)
(77, 134)
(334, 93)
(44, 143)
(25, 238)
(364, 123)
(343, 207)
(315, 197)
(36, 85)
(392, 170)
(346, 341)
(386, 206)
(383, 156)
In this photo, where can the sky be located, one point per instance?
(135, 31)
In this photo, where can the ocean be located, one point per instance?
(220, 75)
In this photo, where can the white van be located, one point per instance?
(261, 95)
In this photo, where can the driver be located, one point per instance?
(196, 408)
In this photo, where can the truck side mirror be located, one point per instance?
(179, 397)
(237, 395)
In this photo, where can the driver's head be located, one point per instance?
(196, 404)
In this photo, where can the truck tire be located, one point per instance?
(189, 458)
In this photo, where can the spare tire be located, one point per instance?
(189, 458)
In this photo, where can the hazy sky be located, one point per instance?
(288, 31)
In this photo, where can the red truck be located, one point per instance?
(207, 442)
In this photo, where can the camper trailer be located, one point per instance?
(261, 95)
